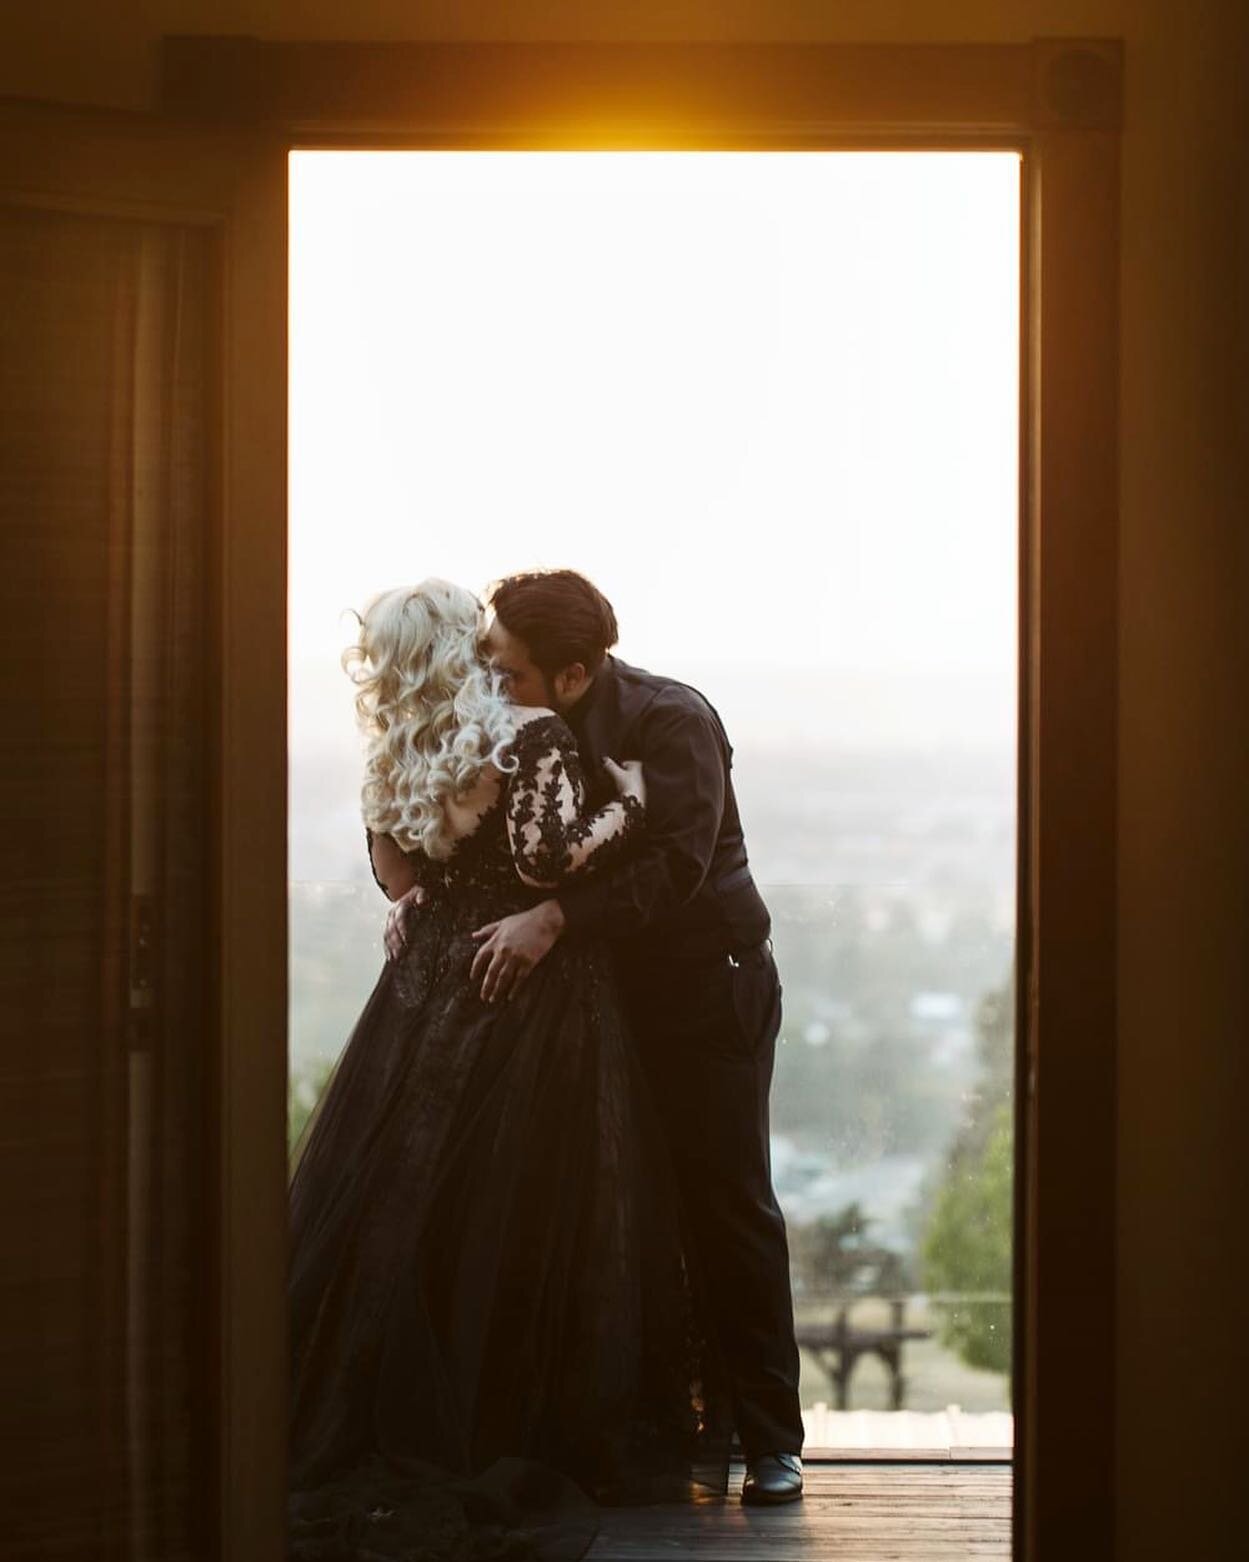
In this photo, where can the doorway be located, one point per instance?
(769, 402)
(216, 158)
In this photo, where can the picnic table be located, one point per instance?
(838, 1344)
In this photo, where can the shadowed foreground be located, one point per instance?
(895, 1512)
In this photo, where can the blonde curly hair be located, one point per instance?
(432, 709)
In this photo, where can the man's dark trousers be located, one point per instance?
(706, 1030)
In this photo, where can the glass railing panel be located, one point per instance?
(892, 1128)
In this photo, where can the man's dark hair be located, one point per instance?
(561, 617)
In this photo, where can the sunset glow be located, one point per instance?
(767, 401)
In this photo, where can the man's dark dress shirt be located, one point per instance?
(687, 892)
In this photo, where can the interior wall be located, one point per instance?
(1184, 578)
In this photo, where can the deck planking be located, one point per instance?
(888, 1512)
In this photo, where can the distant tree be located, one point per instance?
(967, 1248)
(304, 1091)
(967, 1229)
(995, 1052)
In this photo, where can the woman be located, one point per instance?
(488, 1295)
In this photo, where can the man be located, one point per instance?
(690, 932)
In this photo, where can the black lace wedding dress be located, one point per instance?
(493, 1325)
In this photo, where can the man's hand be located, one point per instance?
(395, 936)
(628, 779)
(512, 947)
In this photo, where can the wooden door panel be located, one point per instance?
(135, 274)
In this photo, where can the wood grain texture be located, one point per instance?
(854, 1513)
(596, 94)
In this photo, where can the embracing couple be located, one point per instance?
(537, 1262)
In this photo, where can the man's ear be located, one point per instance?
(570, 680)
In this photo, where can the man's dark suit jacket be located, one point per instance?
(687, 891)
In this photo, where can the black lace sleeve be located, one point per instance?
(551, 836)
(419, 869)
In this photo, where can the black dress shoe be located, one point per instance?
(773, 1478)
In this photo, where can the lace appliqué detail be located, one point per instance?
(552, 838)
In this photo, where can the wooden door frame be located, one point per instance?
(136, 167)
(1058, 102)
(231, 110)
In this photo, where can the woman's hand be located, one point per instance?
(627, 778)
(396, 936)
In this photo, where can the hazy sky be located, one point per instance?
(767, 401)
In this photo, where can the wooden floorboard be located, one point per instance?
(908, 1512)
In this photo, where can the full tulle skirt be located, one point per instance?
(494, 1323)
